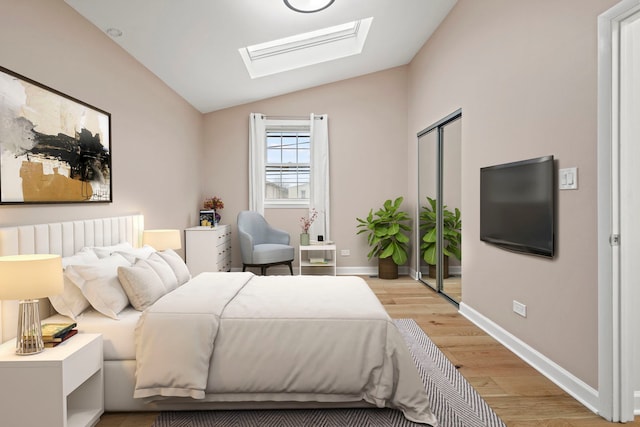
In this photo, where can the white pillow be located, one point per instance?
(134, 253)
(163, 270)
(142, 284)
(100, 285)
(71, 302)
(105, 251)
(80, 258)
(176, 263)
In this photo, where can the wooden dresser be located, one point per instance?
(208, 249)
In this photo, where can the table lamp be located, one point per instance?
(25, 278)
(162, 239)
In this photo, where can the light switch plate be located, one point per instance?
(568, 179)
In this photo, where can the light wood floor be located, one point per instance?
(516, 392)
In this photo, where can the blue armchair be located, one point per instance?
(262, 245)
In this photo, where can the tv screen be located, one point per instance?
(517, 206)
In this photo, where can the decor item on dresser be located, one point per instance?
(208, 249)
(262, 245)
(27, 277)
(214, 204)
(305, 223)
(386, 236)
(162, 239)
(55, 149)
(451, 236)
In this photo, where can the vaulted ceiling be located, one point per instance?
(193, 45)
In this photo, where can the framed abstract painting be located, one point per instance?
(53, 148)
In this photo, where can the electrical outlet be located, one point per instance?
(519, 308)
(345, 252)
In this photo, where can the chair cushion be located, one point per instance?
(268, 253)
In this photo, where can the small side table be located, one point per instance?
(59, 387)
(307, 263)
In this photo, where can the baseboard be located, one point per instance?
(636, 402)
(578, 389)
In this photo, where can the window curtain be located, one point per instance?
(257, 130)
(319, 197)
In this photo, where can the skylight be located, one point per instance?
(306, 49)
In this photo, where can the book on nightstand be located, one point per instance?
(56, 330)
(48, 343)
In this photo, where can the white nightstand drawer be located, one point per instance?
(82, 364)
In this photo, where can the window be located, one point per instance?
(287, 166)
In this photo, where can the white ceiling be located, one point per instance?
(192, 45)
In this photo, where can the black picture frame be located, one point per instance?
(53, 148)
(207, 217)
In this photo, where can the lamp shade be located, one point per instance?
(162, 239)
(30, 276)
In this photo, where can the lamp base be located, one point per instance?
(29, 336)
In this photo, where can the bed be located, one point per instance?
(232, 340)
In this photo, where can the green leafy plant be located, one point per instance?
(386, 230)
(451, 232)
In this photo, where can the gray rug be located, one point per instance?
(454, 402)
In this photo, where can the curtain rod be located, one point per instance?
(291, 117)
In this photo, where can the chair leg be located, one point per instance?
(263, 270)
(244, 267)
(290, 268)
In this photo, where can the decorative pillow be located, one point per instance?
(142, 284)
(105, 251)
(176, 263)
(134, 253)
(162, 268)
(100, 285)
(71, 302)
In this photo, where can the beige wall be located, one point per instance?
(367, 150)
(156, 135)
(524, 74)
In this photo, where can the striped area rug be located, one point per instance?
(453, 400)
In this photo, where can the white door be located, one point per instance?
(618, 208)
(630, 200)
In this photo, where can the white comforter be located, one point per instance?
(240, 337)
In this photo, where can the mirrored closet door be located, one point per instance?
(439, 219)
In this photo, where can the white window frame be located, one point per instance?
(288, 125)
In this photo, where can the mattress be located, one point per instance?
(118, 335)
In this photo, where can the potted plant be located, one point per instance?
(451, 234)
(214, 204)
(386, 234)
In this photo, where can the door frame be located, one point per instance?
(615, 353)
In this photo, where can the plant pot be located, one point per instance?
(445, 269)
(387, 269)
(304, 239)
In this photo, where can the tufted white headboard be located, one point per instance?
(65, 239)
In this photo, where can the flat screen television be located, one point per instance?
(517, 206)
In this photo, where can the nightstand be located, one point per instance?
(306, 262)
(60, 387)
